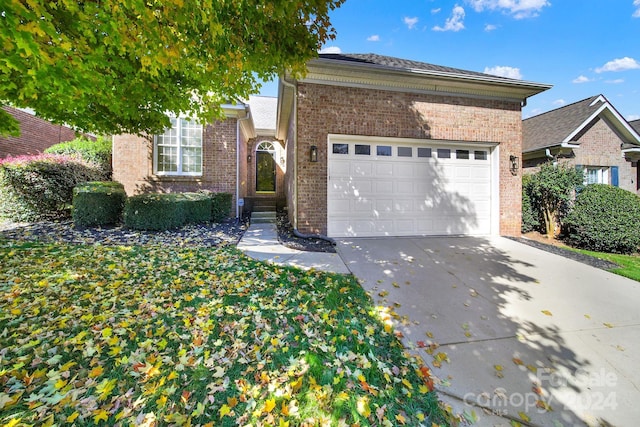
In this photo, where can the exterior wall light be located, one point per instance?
(249, 158)
(514, 164)
(314, 153)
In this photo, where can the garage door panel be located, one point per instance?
(402, 196)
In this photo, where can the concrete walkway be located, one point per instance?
(260, 242)
(512, 333)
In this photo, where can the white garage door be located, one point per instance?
(380, 187)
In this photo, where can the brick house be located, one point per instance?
(590, 134)
(362, 145)
(36, 135)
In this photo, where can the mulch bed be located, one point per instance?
(288, 239)
(559, 250)
(214, 234)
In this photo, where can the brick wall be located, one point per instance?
(36, 135)
(354, 111)
(133, 163)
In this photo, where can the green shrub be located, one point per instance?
(164, 211)
(34, 188)
(197, 208)
(605, 219)
(220, 206)
(98, 203)
(530, 219)
(98, 152)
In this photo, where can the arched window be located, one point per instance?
(266, 146)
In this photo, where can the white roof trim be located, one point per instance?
(605, 106)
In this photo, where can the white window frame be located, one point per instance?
(596, 175)
(180, 126)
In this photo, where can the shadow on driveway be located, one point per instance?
(512, 332)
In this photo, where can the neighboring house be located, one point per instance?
(36, 135)
(590, 134)
(363, 145)
(636, 125)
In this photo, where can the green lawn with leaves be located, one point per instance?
(143, 335)
(629, 265)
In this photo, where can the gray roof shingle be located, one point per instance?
(553, 127)
(399, 64)
(263, 111)
(635, 124)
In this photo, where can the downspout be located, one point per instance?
(295, 170)
(248, 112)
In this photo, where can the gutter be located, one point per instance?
(297, 232)
(247, 117)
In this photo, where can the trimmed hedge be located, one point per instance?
(40, 187)
(98, 203)
(220, 206)
(164, 211)
(98, 152)
(605, 219)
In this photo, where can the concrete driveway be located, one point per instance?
(518, 333)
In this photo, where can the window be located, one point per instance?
(462, 154)
(405, 152)
(596, 175)
(383, 150)
(178, 151)
(444, 153)
(480, 155)
(340, 148)
(424, 152)
(363, 149)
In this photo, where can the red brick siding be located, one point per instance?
(36, 135)
(353, 111)
(133, 163)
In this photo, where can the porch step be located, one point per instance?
(263, 217)
(264, 205)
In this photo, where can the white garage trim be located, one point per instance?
(379, 186)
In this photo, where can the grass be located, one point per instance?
(106, 335)
(629, 265)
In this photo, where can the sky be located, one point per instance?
(581, 47)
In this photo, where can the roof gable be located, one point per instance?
(563, 125)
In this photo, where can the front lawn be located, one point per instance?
(160, 335)
(629, 264)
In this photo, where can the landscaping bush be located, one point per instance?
(220, 206)
(98, 152)
(164, 211)
(197, 207)
(98, 203)
(40, 187)
(605, 219)
(530, 219)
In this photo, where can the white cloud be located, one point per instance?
(620, 64)
(581, 79)
(490, 27)
(410, 22)
(636, 4)
(331, 49)
(559, 102)
(373, 38)
(615, 82)
(520, 9)
(437, 10)
(503, 71)
(454, 22)
(632, 117)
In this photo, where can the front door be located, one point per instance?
(265, 171)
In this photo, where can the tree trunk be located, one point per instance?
(550, 223)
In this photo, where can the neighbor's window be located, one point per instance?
(178, 151)
(596, 175)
